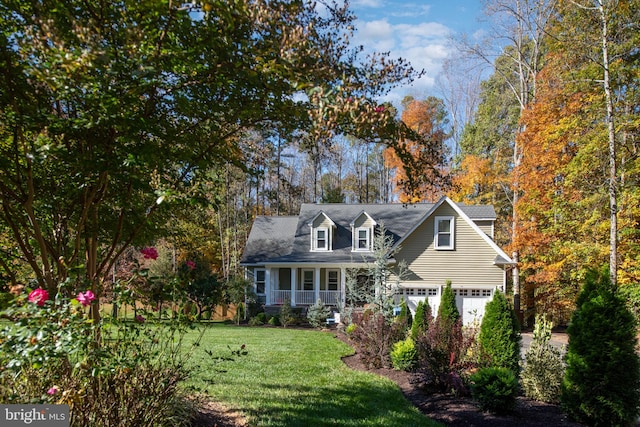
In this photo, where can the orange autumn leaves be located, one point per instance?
(427, 153)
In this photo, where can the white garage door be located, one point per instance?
(471, 302)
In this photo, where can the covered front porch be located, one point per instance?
(302, 286)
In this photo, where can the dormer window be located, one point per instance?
(363, 239)
(362, 233)
(321, 239)
(322, 228)
(444, 232)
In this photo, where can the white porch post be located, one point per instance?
(267, 285)
(316, 285)
(343, 286)
(294, 284)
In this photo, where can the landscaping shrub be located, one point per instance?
(318, 314)
(543, 371)
(113, 373)
(274, 320)
(374, 337)
(443, 349)
(500, 337)
(286, 314)
(443, 357)
(448, 311)
(351, 328)
(405, 314)
(495, 389)
(422, 319)
(602, 379)
(255, 321)
(404, 355)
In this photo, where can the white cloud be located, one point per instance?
(425, 45)
(367, 3)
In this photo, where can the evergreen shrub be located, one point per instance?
(602, 379)
(421, 320)
(287, 317)
(448, 311)
(500, 338)
(318, 314)
(495, 389)
(405, 314)
(404, 355)
(543, 371)
(274, 320)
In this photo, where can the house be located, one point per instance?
(307, 257)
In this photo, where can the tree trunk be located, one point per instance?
(613, 202)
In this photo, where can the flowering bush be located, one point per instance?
(38, 296)
(117, 372)
(149, 253)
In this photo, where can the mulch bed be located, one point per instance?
(444, 408)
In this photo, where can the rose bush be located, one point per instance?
(117, 372)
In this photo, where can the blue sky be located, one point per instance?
(418, 30)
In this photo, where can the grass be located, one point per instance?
(294, 377)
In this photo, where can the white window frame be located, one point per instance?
(304, 284)
(356, 239)
(256, 281)
(329, 281)
(437, 233)
(327, 240)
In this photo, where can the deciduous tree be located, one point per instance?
(110, 112)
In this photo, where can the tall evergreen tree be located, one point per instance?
(602, 379)
(448, 311)
(422, 319)
(499, 337)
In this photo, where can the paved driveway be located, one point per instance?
(558, 339)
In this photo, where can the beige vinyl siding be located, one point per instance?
(470, 263)
(322, 221)
(362, 221)
(486, 226)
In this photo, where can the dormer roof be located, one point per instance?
(363, 213)
(318, 219)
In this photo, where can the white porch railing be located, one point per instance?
(279, 297)
(330, 297)
(305, 297)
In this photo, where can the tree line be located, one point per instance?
(127, 126)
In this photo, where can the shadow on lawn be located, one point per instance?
(358, 404)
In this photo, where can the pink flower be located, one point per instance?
(85, 298)
(379, 109)
(53, 390)
(38, 296)
(191, 265)
(149, 253)
(140, 319)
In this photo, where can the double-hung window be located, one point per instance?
(260, 281)
(444, 232)
(332, 279)
(307, 280)
(321, 240)
(363, 239)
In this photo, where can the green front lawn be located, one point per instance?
(295, 378)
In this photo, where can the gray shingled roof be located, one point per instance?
(287, 239)
(270, 236)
